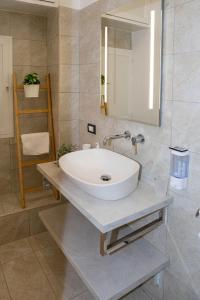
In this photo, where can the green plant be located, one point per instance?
(31, 78)
(64, 149)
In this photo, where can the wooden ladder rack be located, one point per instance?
(29, 163)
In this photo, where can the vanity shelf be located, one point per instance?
(108, 277)
(106, 215)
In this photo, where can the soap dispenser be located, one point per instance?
(179, 168)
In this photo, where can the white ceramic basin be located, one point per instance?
(89, 168)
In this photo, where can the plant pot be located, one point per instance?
(31, 90)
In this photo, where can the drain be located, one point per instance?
(105, 177)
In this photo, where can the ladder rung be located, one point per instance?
(30, 163)
(42, 87)
(32, 111)
(33, 189)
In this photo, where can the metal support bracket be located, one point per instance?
(107, 248)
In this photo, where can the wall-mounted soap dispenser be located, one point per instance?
(179, 168)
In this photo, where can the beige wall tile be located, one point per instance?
(4, 23)
(68, 50)
(69, 78)
(21, 52)
(68, 21)
(38, 53)
(68, 106)
(69, 132)
(20, 26)
(90, 79)
(52, 51)
(38, 28)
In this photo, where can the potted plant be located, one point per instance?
(64, 149)
(31, 85)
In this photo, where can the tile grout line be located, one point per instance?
(42, 269)
(3, 274)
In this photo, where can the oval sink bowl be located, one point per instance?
(101, 173)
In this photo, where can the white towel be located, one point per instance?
(35, 143)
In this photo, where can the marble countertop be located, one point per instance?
(106, 215)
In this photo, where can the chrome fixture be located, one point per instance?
(197, 213)
(109, 138)
(138, 139)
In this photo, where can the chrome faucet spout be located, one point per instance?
(109, 138)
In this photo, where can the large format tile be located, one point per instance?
(13, 227)
(41, 240)
(4, 23)
(186, 125)
(69, 132)
(69, 79)
(90, 78)
(14, 250)
(186, 77)
(68, 21)
(68, 106)
(26, 280)
(69, 50)
(38, 27)
(187, 31)
(38, 53)
(20, 26)
(21, 52)
(4, 294)
(60, 273)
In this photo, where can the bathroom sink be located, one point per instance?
(102, 173)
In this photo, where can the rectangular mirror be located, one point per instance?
(131, 47)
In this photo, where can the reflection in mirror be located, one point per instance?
(131, 61)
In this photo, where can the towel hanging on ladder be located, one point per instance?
(35, 143)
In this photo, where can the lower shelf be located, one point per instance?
(108, 277)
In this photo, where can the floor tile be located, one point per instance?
(41, 240)
(4, 294)
(14, 250)
(25, 279)
(64, 280)
(137, 294)
(84, 296)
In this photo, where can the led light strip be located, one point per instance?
(152, 57)
(106, 66)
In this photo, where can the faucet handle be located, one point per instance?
(138, 139)
(136, 149)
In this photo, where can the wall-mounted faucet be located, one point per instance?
(109, 138)
(138, 139)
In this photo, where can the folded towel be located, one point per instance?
(35, 143)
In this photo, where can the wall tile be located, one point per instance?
(21, 52)
(38, 53)
(68, 21)
(168, 35)
(187, 27)
(38, 28)
(68, 106)
(4, 23)
(186, 77)
(90, 78)
(69, 132)
(186, 125)
(69, 78)
(20, 26)
(68, 50)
